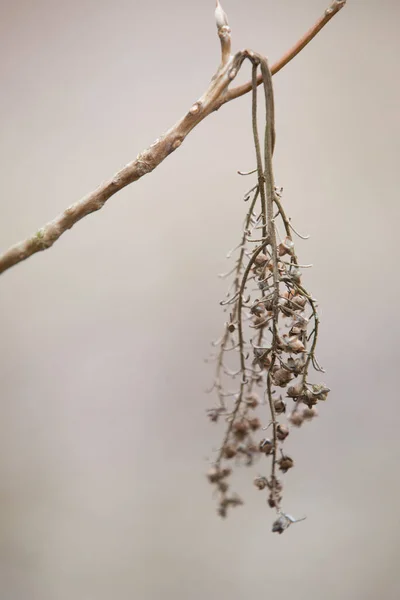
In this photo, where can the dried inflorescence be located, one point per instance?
(269, 341)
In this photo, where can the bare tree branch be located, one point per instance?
(294, 51)
(215, 96)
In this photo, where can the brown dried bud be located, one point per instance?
(260, 259)
(280, 406)
(309, 399)
(285, 247)
(282, 432)
(252, 449)
(295, 365)
(294, 344)
(240, 428)
(280, 524)
(271, 501)
(255, 424)
(296, 418)
(266, 446)
(223, 487)
(285, 463)
(310, 413)
(261, 482)
(281, 377)
(229, 451)
(294, 391)
(252, 401)
(214, 475)
(231, 327)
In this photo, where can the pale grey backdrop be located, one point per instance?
(103, 434)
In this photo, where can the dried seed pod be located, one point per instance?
(295, 365)
(223, 487)
(229, 451)
(309, 399)
(294, 391)
(214, 474)
(252, 400)
(261, 259)
(261, 482)
(285, 247)
(279, 406)
(266, 446)
(254, 424)
(282, 432)
(294, 344)
(240, 428)
(310, 413)
(296, 418)
(281, 377)
(281, 524)
(285, 463)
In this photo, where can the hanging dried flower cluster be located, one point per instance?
(271, 335)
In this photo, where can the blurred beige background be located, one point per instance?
(104, 439)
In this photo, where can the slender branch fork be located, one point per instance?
(214, 97)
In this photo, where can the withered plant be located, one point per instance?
(272, 326)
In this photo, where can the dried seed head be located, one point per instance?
(229, 451)
(294, 391)
(296, 418)
(282, 432)
(295, 365)
(261, 482)
(254, 424)
(310, 413)
(266, 446)
(309, 399)
(285, 247)
(285, 463)
(280, 406)
(281, 377)
(240, 428)
(223, 487)
(294, 344)
(280, 524)
(215, 475)
(260, 259)
(252, 400)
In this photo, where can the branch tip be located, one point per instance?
(220, 16)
